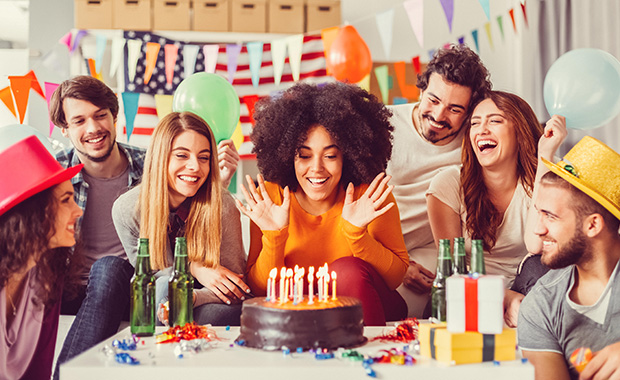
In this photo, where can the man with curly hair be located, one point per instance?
(427, 138)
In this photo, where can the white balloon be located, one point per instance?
(10, 134)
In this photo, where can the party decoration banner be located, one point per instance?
(278, 55)
(486, 7)
(511, 12)
(66, 40)
(474, 35)
(415, 12)
(487, 27)
(385, 21)
(20, 86)
(381, 72)
(7, 99)
(152, 49)
(171, 53)
(49, 90)
(163, 103)
(448, 9)
(100, 50)
(255, 53)
(35, 83)
(190, 54)
(116, 51)
(76, 40)
(500, 23)
(294, 44)
(134, 48)
(210, 53)
(130, 105)
(232, 52)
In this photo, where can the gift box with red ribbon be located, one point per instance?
(475, 303)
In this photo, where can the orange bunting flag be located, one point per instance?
(152, 49)
(35, 83)
(524, 13)
(7, 99)
(407, 90)
(250, 101)
(93, 70)
(20, 86)
(511, 12)
(416, 64)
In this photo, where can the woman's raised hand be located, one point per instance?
(553, 136)
(368, 207)
(267, 215)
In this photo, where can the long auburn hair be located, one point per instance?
(483, 219)
(25, 232)
(203, 228)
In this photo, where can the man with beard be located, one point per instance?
(577, 305)
(427, 139)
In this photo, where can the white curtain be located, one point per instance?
(564, 25)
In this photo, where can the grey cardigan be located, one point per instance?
(126, 217)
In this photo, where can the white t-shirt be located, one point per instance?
(509, 248)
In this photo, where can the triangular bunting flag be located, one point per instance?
(381, 72)
(461, 40)
(511, 12)
(20, 86)
(89, 70)
(210, 53)
(91, 64)
(415, 12)
(474, 35)
(448, 10)
(76, 40)
(171, 53)
(133, 53)
(66, 40)
(118, 45)
(385, 23)
(232, 55)
(7, 99)
(447, 45)
(163, 104)
(250, 102)
(255, 54)
(237, 136)
(49, 90)
(295, 44)
(130, 105)
(487, 27)
(278, 55)
(365, 83)
(407, 90)
(431, 54)
(486, 7)
(524, 13)
(35, 83)
(328, 36)
(500, 23)
(190, 52)
(152, 50)
(416, 64)
(101, 43)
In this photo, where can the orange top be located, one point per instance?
(311, 240)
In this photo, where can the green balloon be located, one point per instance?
(212, 98)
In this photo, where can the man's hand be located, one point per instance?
(605, 364)
(418, 278)
(228, 158)
(512, 301)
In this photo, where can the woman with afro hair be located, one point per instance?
(323, 196)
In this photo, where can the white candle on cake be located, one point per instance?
(282, 283)
(272, 279)
(333, 285)
(325, 287)
(289, 283)
(310, 287)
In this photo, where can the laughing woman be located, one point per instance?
(323, 151)
(489, 198)
(181, 195)
(37, 225)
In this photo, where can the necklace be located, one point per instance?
(12, 304)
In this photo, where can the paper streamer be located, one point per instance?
(381, 72)
(448, 10)
(116, 51)
(210, 53)
(7, 99)
(255, 54)
(163, 105)
(171, 53)
(101, 44)
(385, 22)
(190, 52)
(232, 53)
(152, 50)
(415, 12)
(295, 45)
(20, 87)
(278, 56)
(130, 105)
(49, 90)
(133, 53)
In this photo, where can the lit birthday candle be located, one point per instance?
(325, 286)
(310, 287)
(319, 283)
(289, 280)
(272, 279)
(333, 286)
(300, 284)
(282, 283)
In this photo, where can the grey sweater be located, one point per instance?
(126, 217)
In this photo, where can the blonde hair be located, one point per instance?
(203, 228)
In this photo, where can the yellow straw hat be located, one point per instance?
(593, 168)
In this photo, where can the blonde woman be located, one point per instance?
(181, 195)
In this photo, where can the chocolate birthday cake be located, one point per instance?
(274, 326)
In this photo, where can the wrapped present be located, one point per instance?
(468, 347)
(475, 303)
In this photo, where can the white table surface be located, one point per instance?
(225, 362)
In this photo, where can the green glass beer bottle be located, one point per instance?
(438, 291)
(142, 305)
(180, 288)
(460, 266)
(477, 257)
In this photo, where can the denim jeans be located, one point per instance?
(103, 309)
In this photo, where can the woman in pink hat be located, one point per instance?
(37, 225)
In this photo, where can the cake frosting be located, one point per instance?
(275, 326)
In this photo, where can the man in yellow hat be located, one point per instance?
(577, 305)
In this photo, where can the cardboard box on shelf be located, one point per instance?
(93, 14)
(322, 14)
(249, 16)
(438, 343)
(211, 15)
(171, 15)
(286, 16)
(132, 14)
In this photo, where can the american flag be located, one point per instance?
(312, 70)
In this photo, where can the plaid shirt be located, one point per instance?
(67, 158)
